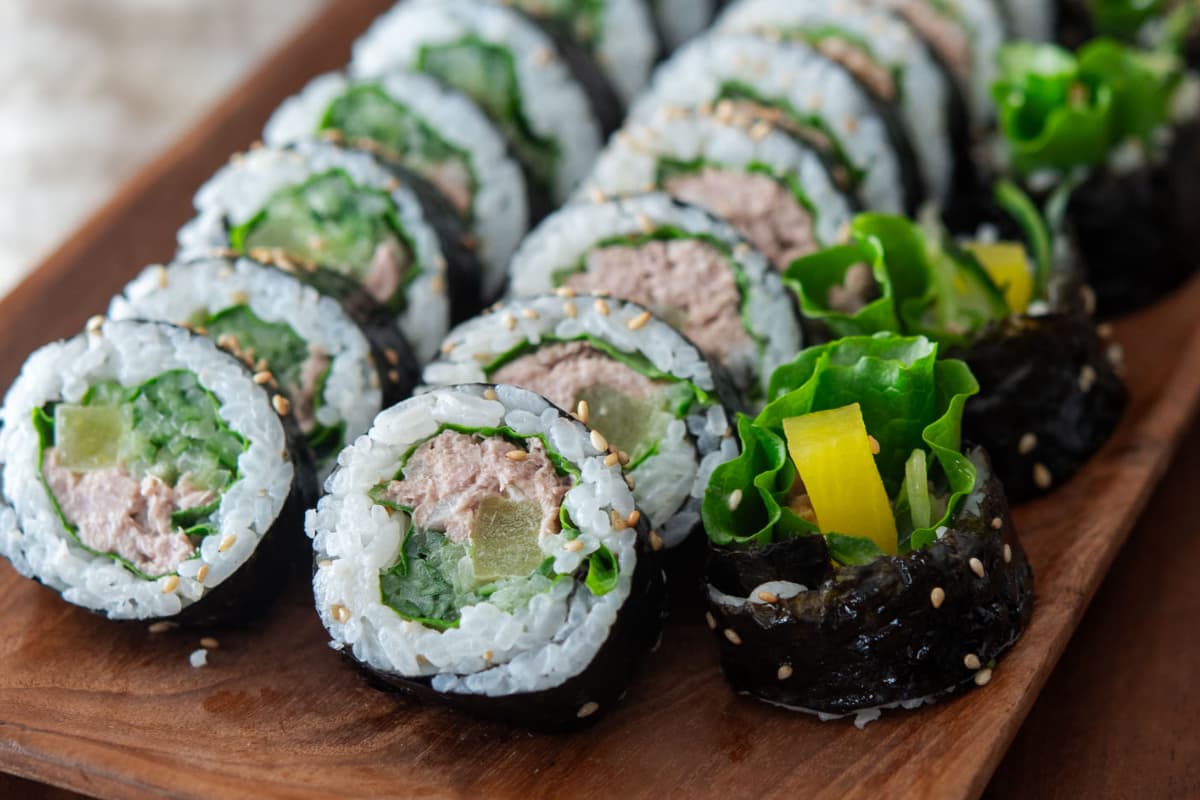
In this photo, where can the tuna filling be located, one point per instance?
(688, 282)
(138, 473)
(858, 62)
(479, 506)
(624, 405)
(943, 35)
(762, 210)
(332, 222)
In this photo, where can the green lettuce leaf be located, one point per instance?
(909, 400)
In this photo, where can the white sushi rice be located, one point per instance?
(785, 75)
(1032, 19)
(986, 27)
(500, 209)
(666, 487)
(630, 162)
(351, 394)
(536, 647)
(567, 236)
(923, 93)
(681, 20)
(239, 190)
(554, 104)
(33, 538)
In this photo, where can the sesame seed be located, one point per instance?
(170, 584)
(711, 620)
(1104, 330)
(1042, 477)
(1089, 299)
(1027, 444)
(596, 195)
(875, 448)
(581, 411)
(623, 457)
(340, 613)
(617, 521)
(784, 672)
(601, 306)
(282, 404)
(489, 394)
(633, 518)
(937, 597)
(639, 321)
(645, 223)
(611, 460)
(629, 481)
(161, 273)
(448, 347)
(393, 184)
(760, 130)
(516, 455)
(1007, 554)
(227, 340)
(95, 323)
(768, 597)
(510, 321)
(210, 643)
(997, 523)
(393, 375)
(529, 313)
(971, 661)
(487, 655)
(227, 543)
(735, 499)
(983, 677)
(732, 636)
(587, 709)
(575, 545)
(1087, 378)
(565, 291)
(202, 573)
(437, 284)
(162, 626)
(656, 543)
(1115, 354)
(262, 378)
(224, 273)
(392, 356)
(569, 309)
(325, 563)
(976, 566)
(238, 298)
(543, 55)
(599, 442)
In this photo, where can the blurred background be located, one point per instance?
(91, 90)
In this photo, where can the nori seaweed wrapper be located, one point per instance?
(1049, 378)
(869, 635)
(635, 632)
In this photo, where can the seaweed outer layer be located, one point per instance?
(582, 699)
(873, 635)
(1049, 398)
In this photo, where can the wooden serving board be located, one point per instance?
(114, 710)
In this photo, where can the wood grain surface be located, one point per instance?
(112, 710)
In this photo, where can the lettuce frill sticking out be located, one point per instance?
(1049, 395)
(858, 554)
(1108, 136)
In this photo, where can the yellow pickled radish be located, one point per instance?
(832, 453)
(1007, 264)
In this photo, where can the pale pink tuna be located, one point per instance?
(561, 372)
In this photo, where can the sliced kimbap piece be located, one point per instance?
(861, 558)
(681, 20)
(626, 374)
(150, 477)
(1050, 395)
(690, 268)
(430, 130)
(510, 68)
(966, 36)
(1108, 141)
(316, 203)
(316, 338)
(796, 88)
(618, 35)
(912, 94)
(477, 548)
(775, 191)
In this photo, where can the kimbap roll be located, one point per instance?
(861, 558)
(775, 191)
(629, 376)
(510, 68)
(477, 548)
(149, 477)
(332, 351)
(796, 88)
(435, 132)
(314, 203)
(1050, 394)
(690, 268)
(1108, 141)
